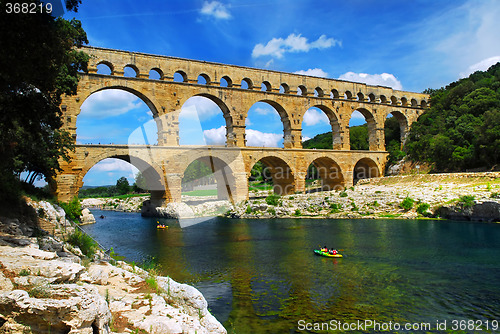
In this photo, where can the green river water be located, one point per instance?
(261, 276)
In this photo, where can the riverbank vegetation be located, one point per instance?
(39, 63)
(461, 130)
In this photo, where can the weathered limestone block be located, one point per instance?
(87, 217)
(171, 210)
(70, 309)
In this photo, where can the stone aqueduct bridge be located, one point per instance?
(234, 89)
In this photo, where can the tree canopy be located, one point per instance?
(39, 63)
(461, 129)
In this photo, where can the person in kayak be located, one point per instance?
(333, 252)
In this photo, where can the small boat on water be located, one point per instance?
(158, 225)
(325, 254)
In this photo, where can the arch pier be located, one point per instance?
(166, 83)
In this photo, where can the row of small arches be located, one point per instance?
(246, 83)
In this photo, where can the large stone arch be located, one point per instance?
(224, 175)
(372, 128)
(281, 173)
(285, 120)
(334, 123)
(149, 102)
(404, 124)
(365, 168)
(228, 117)
(152, 173)
(330, 172)
(102, 86)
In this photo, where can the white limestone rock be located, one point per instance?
(5, 283)
(70, 308)
(87, 217)
(176, 211)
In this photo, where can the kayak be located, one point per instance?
(320, 253)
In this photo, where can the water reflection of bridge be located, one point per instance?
(235, 89)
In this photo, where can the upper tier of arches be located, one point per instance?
(151, 67)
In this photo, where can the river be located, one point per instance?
(261, 276)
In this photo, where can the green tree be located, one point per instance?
(140, 183)
(321, 141)
(260, 172)
(39, 63)
(392, 132)
(122, 186)
(461, 129)
(196, 170)
(359, 137)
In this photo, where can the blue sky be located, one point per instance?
(410, 45)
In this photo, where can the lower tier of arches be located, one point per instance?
(164, 168)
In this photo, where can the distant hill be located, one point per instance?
(358, 134)
(93, 187)
(461, 129)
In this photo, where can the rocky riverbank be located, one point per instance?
(469, 196)
(49, 286)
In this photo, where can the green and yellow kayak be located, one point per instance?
(320, 253)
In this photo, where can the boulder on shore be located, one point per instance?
(87, 217)
(171, 210)
(488, 211)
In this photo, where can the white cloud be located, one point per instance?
(248, 122)
(451, 40)
(264, 111)
(110, 103)
(357, 116)
(313, 72)
(199, 108)
(304, 138)
(483, 65)
(276, 47)
(313, 117)
(215, 136)
(215, 9)
(384, 79)
(112, 165)
(269, 63)
(258, 138)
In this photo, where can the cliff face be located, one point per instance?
(47, 286)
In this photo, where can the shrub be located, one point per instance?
(248, 210)
(495, 195)
(297, 212)
(354, 207)
(466, 201)
(73, 209)
(39, 291)
(422, 208)
(272, 211)
(272, 199)
(334, 207)
(343, 194)
(407, 203)
(24, 272)
(86, 244)
(152, 283)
